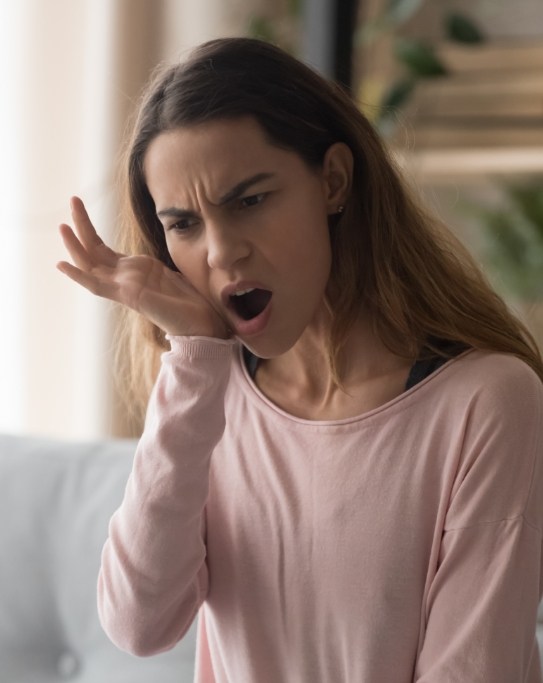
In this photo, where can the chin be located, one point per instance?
(268, 348)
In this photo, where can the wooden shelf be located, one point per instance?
(446, 166)
(484, 119)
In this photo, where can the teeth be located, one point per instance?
(244, 291)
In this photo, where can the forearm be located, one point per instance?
(153, 576)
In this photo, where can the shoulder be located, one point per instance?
(495, 378)
(499, 471)
(492, 397)
(500, 393)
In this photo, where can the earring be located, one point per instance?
(340, 208)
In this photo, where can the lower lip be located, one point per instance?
(250, 328)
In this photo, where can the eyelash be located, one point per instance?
(260, 197)
(182, 226)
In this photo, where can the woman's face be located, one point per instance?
(247, 225)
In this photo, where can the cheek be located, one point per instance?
(315, 237)
(175, 253)
(188, 263)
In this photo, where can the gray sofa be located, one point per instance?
(56, 499)
(55, 502)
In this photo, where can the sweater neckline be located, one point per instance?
(250, 387)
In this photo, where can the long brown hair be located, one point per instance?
(389, 256)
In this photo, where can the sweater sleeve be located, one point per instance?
(481, 609)
(153, 575)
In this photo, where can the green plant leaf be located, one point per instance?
(261, 28)
(394, 98)
(396, 12)
(399, 11)
(294, 8)
(514, 240)
(506, 237)
(372, 29)
(461, 29)
(398, 94)
(419, 57)
(529, 202)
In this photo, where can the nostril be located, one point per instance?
(222, 254)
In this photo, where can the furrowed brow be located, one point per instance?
(236, 192)
(239, 189)
(173, 212)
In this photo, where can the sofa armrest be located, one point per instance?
(56, 499)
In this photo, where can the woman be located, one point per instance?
(340, 471)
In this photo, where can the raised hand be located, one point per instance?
(142, 283)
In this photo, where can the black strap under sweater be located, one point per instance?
(420, 369)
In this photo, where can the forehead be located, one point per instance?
(211, 148)
(188, 165)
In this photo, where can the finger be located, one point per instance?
(88, 236)
(84, 227)
(76, 250)
(87, 280)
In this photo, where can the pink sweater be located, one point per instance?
(402, 545)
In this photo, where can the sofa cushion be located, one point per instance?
(56, 499)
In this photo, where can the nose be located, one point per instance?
(225, 245)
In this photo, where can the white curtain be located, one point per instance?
(72, 71)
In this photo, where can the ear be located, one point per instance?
(337, 173)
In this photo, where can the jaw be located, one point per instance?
(288, 337)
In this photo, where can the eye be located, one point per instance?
(182, 226)
(252, 200)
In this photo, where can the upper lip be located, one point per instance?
(240, 286)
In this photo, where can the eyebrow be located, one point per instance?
(236, 192)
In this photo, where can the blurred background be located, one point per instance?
(455, 87)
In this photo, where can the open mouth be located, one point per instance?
(250, 303)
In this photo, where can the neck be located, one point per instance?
(301, 380)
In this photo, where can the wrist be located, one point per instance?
(200, 347)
